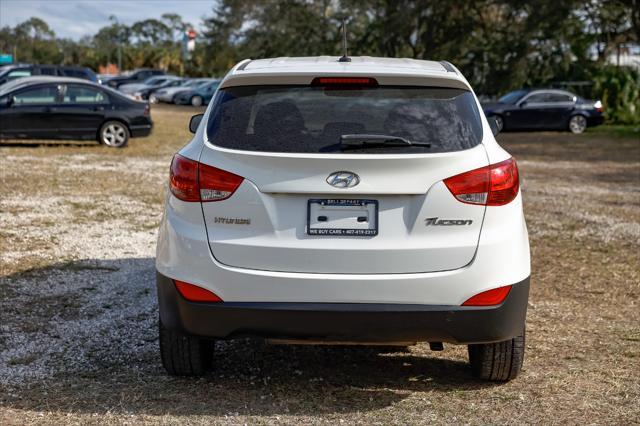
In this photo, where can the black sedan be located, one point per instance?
(544, 109)
(70, 108)
(135, 76)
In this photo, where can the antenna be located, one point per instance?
(345, 57)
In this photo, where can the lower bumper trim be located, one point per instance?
(347, 322)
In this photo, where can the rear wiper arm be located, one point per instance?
(360, 140)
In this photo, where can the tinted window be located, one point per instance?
(537, 98)
(48, 71)
(310, 119)
(75, 73)
(512, 97)
(559, 97)
(40, 95)
(19, 73)
(84, 95)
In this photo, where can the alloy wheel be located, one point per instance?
(578, 124)
(114, 135)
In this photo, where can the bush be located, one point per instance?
(619, 90)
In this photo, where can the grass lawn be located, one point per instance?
(78, 328)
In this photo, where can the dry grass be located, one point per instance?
(77, 303)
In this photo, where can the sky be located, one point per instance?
(77, 18)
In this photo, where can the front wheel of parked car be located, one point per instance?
(197, 101)
(497, 362)
(114, 134)
(578, 124)
(184, 355)
(499, 122)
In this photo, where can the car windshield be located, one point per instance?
(153, 80)
(512, 97)
(312, 119)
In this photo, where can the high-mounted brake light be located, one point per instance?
(344, 81)
(493, 185)
(489, 298)
(193, 181)
(193, 293)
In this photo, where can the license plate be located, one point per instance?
(340, 217)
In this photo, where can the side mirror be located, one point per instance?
(493, 123)
(195, 122)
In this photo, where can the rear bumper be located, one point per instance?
(366, 322)
(141, 130)
(595, 120)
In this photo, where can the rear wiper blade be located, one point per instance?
(361, 140)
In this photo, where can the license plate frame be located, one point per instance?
(346, 203)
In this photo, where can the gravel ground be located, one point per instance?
(78, 339)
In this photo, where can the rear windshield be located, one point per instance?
(315, 119)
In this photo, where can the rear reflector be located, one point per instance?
(193, 293)
(344, 81)
(493, 185)
(193, 181)
(489, 298)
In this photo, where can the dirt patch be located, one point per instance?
(78, 337)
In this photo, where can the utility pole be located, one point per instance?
(119, 53)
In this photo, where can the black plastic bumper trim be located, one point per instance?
(366, 322)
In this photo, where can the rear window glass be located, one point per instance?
(314, 119)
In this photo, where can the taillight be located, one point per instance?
(344, 81)
(598, 106)
(193, 181)
(493, 185)
(489, 298)
(193, 293)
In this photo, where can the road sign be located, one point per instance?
(6, 58)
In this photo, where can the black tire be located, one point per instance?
(184, 355)
(499, 122)
(114, 134)
(577, 124)
(498, 362)
(197, 101)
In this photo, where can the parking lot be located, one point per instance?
(78, 329)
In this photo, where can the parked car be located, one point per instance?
(148, 92)
(168, 94)
(157, 80)
(544, 109)
(70, 108)
(12, 72)
(333, 202)
(198, 95)
(136, 76)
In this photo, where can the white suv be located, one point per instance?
(345, 202)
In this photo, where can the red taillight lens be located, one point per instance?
(217, 184)
(489, 297)
(193, 293)
(193, 181)
(183, 179)
(344, 81)
(493, 185)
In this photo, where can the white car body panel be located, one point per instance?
(273, 260)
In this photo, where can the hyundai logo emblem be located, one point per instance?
(343, 179)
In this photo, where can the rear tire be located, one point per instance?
(184, 355)
(498, 362)
(197, 101)
(114, 134)
(577, 124)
